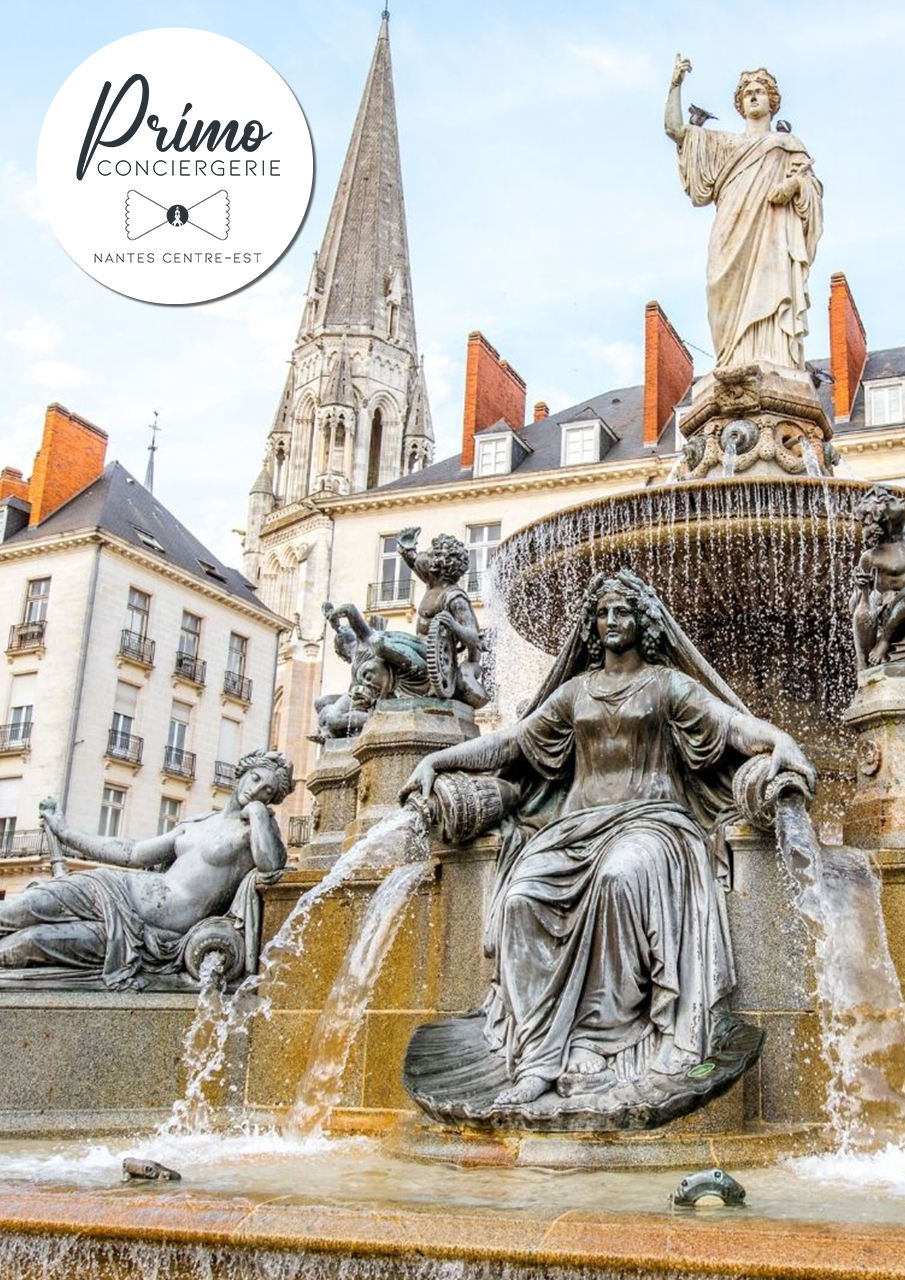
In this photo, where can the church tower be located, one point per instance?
(354, 412)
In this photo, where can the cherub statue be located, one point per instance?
(384, 663)
(878, 601)
(454, 658)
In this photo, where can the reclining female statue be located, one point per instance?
(126, 920)
(607, 926)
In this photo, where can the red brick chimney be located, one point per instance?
(71, 456)
(541, 410)
(12, 484)
(493, 390)
(848, 345)
(668, 371)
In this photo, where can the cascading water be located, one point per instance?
(730, 453)
(209, 1039)
(347, 1003)
(859, 1000)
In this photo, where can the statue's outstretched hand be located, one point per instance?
(51, 815)
(788, 756)
(408, 538)
(680, 71)
(422, 780)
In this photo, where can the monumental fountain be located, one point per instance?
(639, 930)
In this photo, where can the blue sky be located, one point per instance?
(543, 204)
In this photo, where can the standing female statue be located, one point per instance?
(607, 925)
(769, 218)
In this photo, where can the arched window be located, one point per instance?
(374, 450)
(279, 476)
(393, 325)
(338, 452)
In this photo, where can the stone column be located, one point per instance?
(400, 733)
(875, 818)
(334, 784)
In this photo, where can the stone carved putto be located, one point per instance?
(157, 907)
(878, 600)
(607, 926)
(446, 618)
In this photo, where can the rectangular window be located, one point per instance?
(170, 815)
(482, 541)
(228, 744)
(138, 612)
(113, 803)
(395, 576)
(580, 445)
(190, 635)
(36, 597)
(884, 404)
(21, 706)
(180, 717)
(237, 655)
(10, 789)
(493, 457)
(124, 707)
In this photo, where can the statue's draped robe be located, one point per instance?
(608, 926)
(760, 253)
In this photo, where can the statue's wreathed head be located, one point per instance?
(448, 557)
(763, 77)
(880, 513)
(277, 764)
(645, 604)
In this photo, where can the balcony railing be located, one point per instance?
(237, 686)
(178, 763)
(300, 831)
(189, 668)
(476, 583)
(390, 595)
(137, 648)
(23, 844)
(224, 775)
(15, 737)
(124, 746)
(26, 635)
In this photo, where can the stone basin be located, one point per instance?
(266, 1206)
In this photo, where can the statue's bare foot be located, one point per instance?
(878, 654)
(586, 1070)
(585, 1062)
(528, 1089)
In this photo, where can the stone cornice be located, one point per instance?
(87, 537)
(870, 441)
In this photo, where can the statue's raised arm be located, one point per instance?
(673, 122)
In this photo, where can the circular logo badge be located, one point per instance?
(175, 166)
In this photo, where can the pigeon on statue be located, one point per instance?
(697, 115)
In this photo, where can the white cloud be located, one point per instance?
(55, 375)
(623, 67)
(620, 364)
(23, 191)
(36, 335)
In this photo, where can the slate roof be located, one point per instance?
(116, 503)
(623, 411)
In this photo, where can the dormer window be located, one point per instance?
(580, 443)
(884, 402)
(493, 456)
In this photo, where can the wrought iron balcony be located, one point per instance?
(15, 737)
(224, 775)
(178, 763)
(23, 844)
(137, 648)
(390, 595)
(26, 635)
(300, 831)
(189, 668)
(124, 746)
(237, 686)
(476, 584)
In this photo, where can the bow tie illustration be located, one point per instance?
(210, 215)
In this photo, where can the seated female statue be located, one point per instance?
(608, 928)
